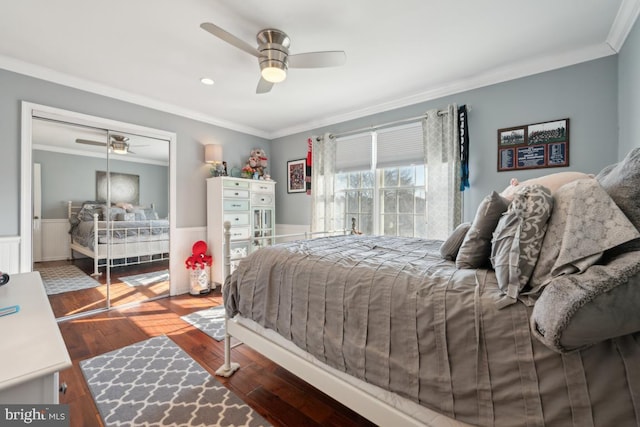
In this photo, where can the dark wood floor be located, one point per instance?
(280, 397)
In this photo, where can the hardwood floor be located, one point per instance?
(70, 303)
(280, 397)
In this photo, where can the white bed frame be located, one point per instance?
(121, 253)
(320, 375)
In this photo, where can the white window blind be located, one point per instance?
(400, 146)
(353, 153)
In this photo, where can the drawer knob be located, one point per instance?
(236, 194)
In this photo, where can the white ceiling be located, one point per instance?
(153, 52)
(62, 138)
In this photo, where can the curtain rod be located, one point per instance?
(383, 125)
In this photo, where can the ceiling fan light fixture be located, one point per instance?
(273, 74)
(118, 147)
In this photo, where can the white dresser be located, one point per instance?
(32, 349)
(249, 205)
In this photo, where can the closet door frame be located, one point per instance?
(31, 110)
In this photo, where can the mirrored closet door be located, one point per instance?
(100, 232)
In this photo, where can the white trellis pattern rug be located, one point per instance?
(65, 278)
(146, 279)
(156, 383)
(210, 321)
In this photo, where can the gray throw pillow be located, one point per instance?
(578, 310)
(622, 182)
(476, 246)
(518, 238)
(450, 247)
(126, 216)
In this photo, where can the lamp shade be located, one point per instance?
(213, 153)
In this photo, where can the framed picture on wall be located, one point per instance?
(124, 187)
(538, 145)
(296, 176)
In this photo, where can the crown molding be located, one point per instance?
(82, 153)
(623, 23)
(43, 73)
(498, 75)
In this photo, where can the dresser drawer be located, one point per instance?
(239, 233)
(236, 205)
(261, 187)
(237, 218)
(235, 194)
(236, 184)
(261, 199)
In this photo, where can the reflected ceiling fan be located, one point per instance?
(118, 145)
(273, 54)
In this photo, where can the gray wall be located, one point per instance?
(191, 135)
(585, 93)
(629, 92)
(70, 177)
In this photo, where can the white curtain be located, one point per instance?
(442, 162)
(323, 171)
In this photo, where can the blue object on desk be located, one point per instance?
(5, 311)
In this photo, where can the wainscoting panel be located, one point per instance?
(55, 239)
(181, 246)
(10, 254)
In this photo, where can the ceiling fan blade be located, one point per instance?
(317, 59)
(264, 86)
(89, 142)
(229, 38)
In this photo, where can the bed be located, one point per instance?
(525, 316)
(124, 235)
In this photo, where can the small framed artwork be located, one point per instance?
(296, 176)
(538, 145)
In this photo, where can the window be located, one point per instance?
(380, 181)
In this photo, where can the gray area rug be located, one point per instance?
(210, 321)
(156, 383)
(65, 278)
(146, 279)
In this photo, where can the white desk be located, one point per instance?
(32, 350)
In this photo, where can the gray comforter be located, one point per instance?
(120, 231)
(390, 311)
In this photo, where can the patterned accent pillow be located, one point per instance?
(622, 182)
(476, 246)
(112, 212)
(139, 215)
(450, 247)
(90, 208)
(585, 222)
(518, 238)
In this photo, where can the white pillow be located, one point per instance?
(552, 182)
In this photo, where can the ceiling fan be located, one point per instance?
(273, 54)
(118, 145)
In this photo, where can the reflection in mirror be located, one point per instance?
(91, 244)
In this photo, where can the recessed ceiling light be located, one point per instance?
(206, 81)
